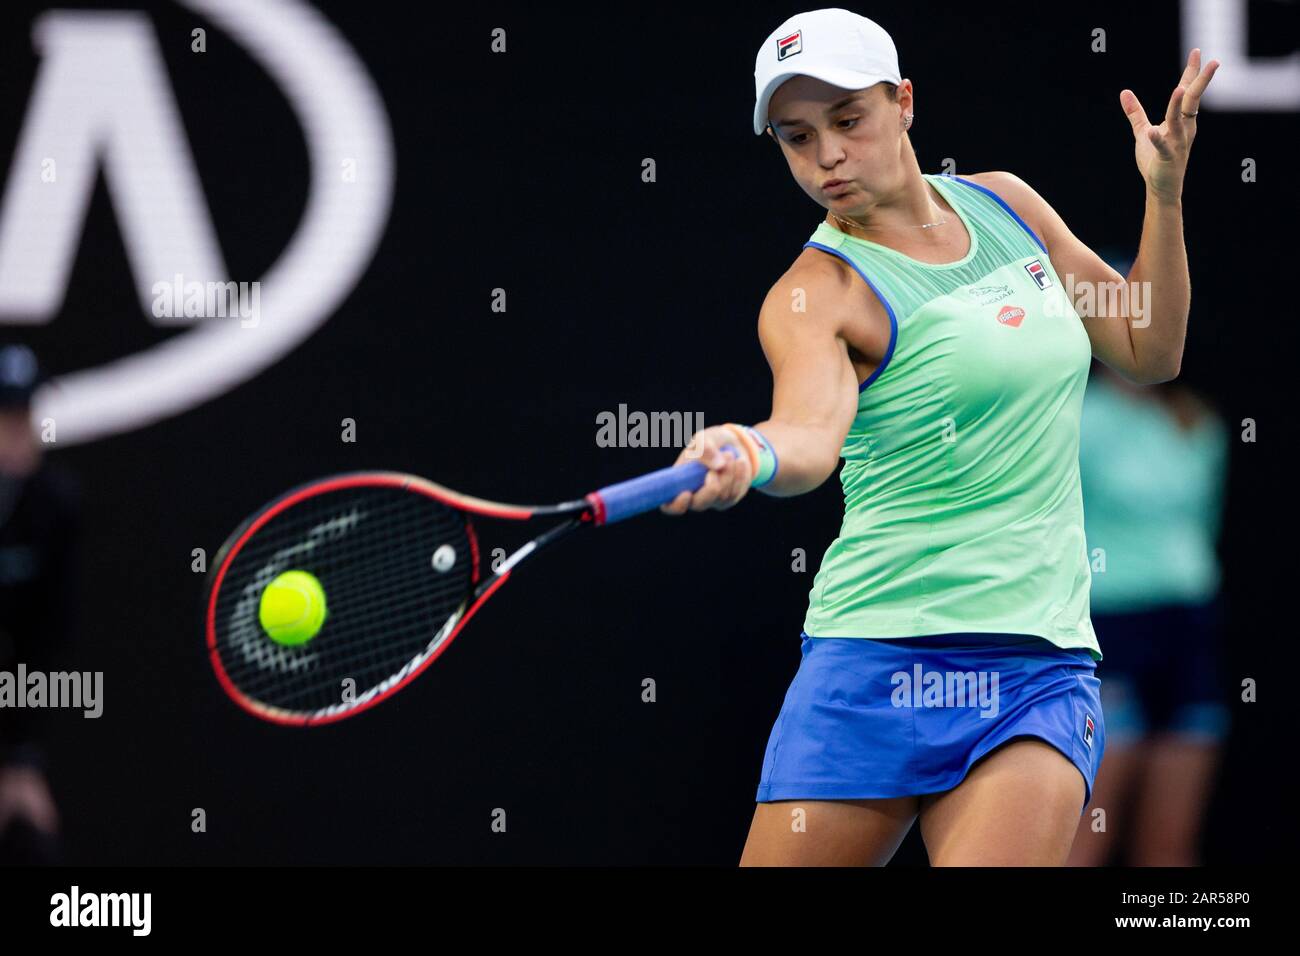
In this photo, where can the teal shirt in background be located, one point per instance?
(1152, 500)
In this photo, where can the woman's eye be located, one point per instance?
(799, 138)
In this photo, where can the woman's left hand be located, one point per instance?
(1162, 150)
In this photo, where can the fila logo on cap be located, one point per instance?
(1039, 275)
(789, 46)
(845, 50)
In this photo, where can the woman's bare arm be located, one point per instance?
(815, 387)
(1143, 339)
(814, 396)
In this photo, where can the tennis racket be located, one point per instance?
(398, 560)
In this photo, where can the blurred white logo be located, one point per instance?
(102, 100)
(1245, 82)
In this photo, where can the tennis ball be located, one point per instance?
(292, 608)
(444, 558)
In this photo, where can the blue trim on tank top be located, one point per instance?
(1001, 202)
(893, 320)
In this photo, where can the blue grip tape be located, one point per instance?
(639, 495)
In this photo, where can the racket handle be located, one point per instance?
(639, 495)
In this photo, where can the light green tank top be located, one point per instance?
(962, 504)
(1152, 501)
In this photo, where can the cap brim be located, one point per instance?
(844, 79)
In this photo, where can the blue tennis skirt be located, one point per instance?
(867, 718)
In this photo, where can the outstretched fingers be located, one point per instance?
(1137, 116)
(1196, 80)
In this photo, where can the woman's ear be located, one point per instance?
(903, 96)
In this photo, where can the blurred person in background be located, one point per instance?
(1152, 462)
(38, 533)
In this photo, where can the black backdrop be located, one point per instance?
(523, 171)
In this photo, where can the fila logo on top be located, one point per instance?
(790, 45)
(102, 105)
(1039, 274)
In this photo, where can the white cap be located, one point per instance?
(836, 46)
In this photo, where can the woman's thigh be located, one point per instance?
(1018, 806)
(828, 832)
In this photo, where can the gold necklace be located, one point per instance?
(924, 225)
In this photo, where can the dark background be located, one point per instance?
(523, 171)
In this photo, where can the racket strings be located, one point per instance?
(362, 663)
(374, 549)
(345, 595)
(362, 641)
(334, 519)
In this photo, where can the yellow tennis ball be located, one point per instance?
(292, 608)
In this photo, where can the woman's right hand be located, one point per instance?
(728, 478)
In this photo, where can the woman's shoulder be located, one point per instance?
(998, 180)
(818, 266)
(825, 288)
(829, 276)
(1012, 190)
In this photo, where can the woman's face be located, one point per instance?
(828, 133)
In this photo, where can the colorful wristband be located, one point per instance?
(761, 454)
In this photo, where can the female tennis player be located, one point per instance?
(924, 335)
